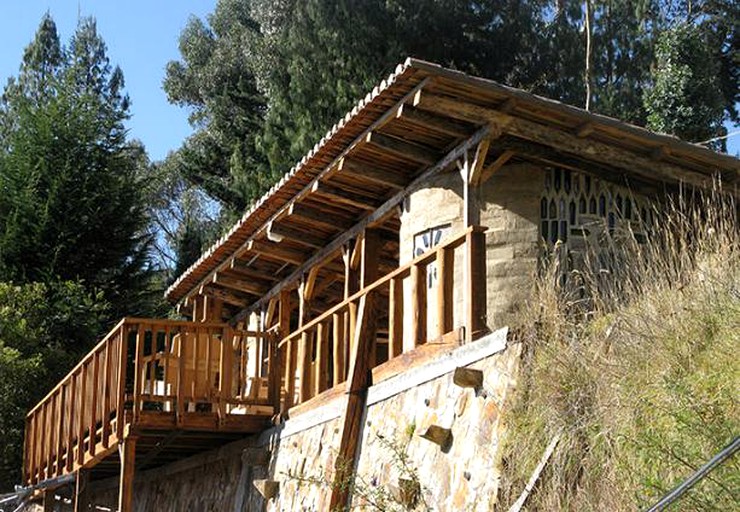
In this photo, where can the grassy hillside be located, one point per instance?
(637, 369)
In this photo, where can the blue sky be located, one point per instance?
(141, 36)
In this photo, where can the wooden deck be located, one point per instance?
(148, 378)
(154, 391)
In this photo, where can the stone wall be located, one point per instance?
(462, 475)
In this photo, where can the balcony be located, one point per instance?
(147, 377)
(153, 391)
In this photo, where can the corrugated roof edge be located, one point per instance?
(179, 288)
(208, 260)
(577, 112)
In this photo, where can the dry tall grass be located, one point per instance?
(635, 360)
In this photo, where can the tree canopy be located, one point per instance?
(74, 242)
(264, 80)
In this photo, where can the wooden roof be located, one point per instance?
(418, 119)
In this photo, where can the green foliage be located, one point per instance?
(687, 98)
(72, 207)
(44, 330)
(265, 79)
(641, 380)
(73, 224)
(18, 379)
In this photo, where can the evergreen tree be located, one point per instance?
(72, 207)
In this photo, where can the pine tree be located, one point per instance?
(72, 207)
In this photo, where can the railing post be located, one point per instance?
(122, 364)
(418, 305)
(63, 397)
(94, 403)
(445, 276)
(180, 409)
(322, 358)
(224, 378)
(475, 272)
(284, 332)
(71, 415)
(138, 369)
(81, 422)
(275, 375)
(395, 317)
(107, 389)
(338, 347)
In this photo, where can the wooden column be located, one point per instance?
(358, 381)
(359, 376)
(306, 342)
(289, 364)
(395, 318)
(475, 275)
(475, 283)
(49, 500)
(82, 496)
(351, 286)
(127, 452)
(445, 283)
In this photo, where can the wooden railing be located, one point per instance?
(169, 367)
(409, 313)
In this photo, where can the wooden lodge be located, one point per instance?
(415, 224)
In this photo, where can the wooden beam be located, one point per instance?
(273, 251)
(356, 253)
(224, 295)
(660, 153)
(358, 380)
(496, 165)
(371, 245)
(343, 196)
(310, 283)
(402, 148)
(562, 140)
(508, 105)
(289, 356)
(396, 180)
(585, 130)
(239, 267)
(82, 490)
(127, 452)
(240, 285)
(319, 217)
(378, 215)
(476, 168)
(434, 122)
(301, 237)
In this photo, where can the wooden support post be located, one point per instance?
(49, 500)
(283, 331)
(94, 404)
(395, 318)
(138, 372)
(127, 452)
(418, 307)
(475, 283)
(82, 496)
(121, 391)
(321, 377)
(338, 347)
(358, 381)
(306, 343)
(445, 277)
